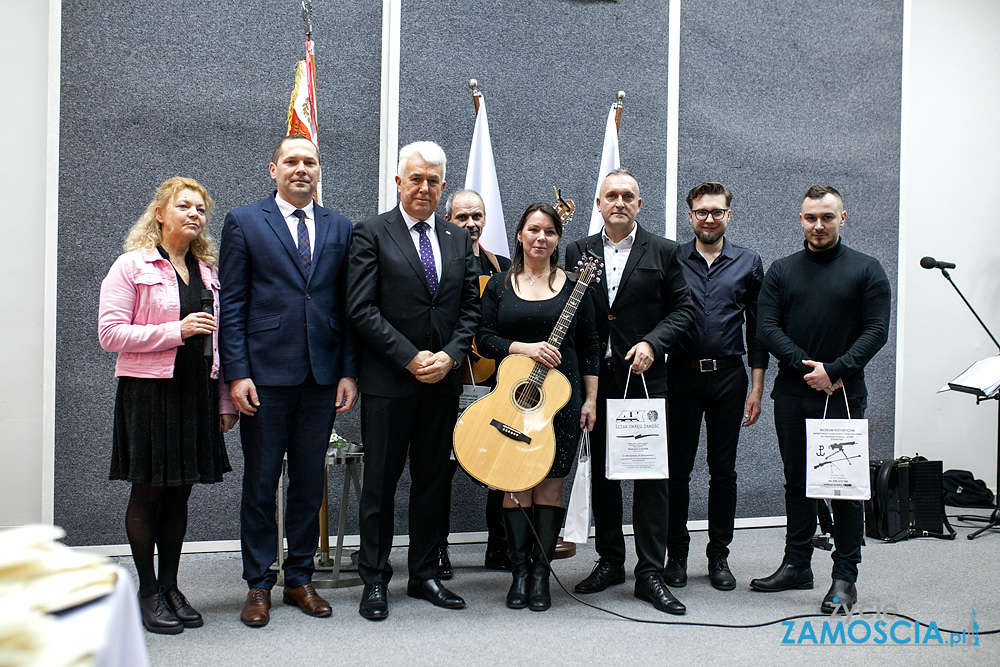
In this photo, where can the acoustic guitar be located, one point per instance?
(506, 439)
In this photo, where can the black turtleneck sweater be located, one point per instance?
(830, 306)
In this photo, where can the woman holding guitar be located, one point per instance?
(520, 309)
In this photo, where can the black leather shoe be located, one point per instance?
(496, 556)
(157, 616)
(434, 592)
(842, 595)
(374, 602)
(444, 563)
(675, 573)
(184, 612)
(785, 578)
(720, 575)
(605, 574)
(652, 588)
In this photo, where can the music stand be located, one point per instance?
(981, 380)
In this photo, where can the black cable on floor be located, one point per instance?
(733, 626)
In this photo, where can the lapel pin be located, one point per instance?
(447, 232)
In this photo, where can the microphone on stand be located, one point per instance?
(931, 263)
(207, 306)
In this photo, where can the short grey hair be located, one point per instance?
(451, 198)
(428, 150)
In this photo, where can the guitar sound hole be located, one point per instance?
(527, 396)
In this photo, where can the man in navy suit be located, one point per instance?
(288, 354)
(414, 303)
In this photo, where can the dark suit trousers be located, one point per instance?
(297, 420)
(790, 413)
(719, 397)
(421, 426)
(649, 498)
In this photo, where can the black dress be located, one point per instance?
(166, 431)
(508, 318)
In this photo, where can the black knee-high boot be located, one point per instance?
(519, 541)
(548, 522)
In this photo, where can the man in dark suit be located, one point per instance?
(414, 304)
(465, 208)
(288, 355)
(643, 305)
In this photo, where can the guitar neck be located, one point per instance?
(562, 326)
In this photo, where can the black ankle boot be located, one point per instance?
(519, 540)
(548, 522)
(157, 616)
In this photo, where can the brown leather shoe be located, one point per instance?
(257, 609)
(307, 599)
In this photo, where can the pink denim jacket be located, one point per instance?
(139, 317)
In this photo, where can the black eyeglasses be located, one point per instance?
(717, 214)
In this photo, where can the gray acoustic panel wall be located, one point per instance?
(549, 72)
(154, 90)
(775, 97)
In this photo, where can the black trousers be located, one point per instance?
(790, 414)
(494, 520)
(420, 427)
(649, 498)
(719, 397)
(297, 420)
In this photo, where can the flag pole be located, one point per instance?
(311, 92)
(476, 95)
(618, 110)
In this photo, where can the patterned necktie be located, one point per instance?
(427, 256)
(305, 254)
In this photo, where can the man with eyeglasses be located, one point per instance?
(707, 379)
(643, 305)
(823, 314)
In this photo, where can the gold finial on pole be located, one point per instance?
(618, 110)
(476, 95)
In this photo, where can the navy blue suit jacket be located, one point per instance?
(277, 324)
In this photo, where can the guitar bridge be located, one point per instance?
(511, 433)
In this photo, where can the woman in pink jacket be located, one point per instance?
(172, 405)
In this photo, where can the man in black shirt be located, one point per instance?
(823, 313)
(465, 208)
(707, 377)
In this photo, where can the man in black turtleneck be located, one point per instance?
(823, 313)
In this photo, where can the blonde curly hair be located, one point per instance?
(146, 232)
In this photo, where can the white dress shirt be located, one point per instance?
(411, 222)
(288, 211)
(615, 256)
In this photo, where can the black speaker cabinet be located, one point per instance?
(906, 499)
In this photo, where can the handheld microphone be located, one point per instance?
(931, 263)
(207, 306)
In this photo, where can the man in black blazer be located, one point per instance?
(414, 304)
(288, 355)
(643, 305)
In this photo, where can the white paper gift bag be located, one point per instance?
(636, 437)
(577, 528)
(837, 457)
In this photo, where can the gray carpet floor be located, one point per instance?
(926, 579)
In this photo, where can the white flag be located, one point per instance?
(481, 176)
(609, 161)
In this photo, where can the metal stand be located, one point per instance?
(993, 521)
(329, 569)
